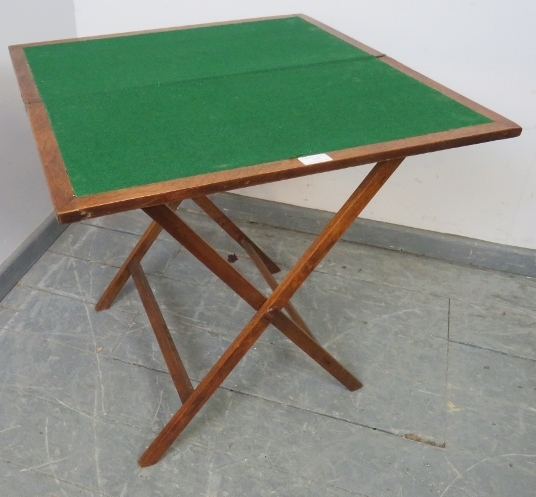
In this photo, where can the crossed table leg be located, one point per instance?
(269, 310)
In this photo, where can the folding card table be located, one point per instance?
(146, 120)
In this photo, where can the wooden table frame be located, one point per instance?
(70, 208)
(159, 200)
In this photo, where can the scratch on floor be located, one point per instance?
(453, 468)
(158, 408)
(96, 401)
(459, 475)
(214, 482)
(417, 438)
(10, 428)
(48, 458)
(101, 384)
(44, 464)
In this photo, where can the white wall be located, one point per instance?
(24, 200)
(484, 49)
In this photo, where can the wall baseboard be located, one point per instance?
(451, 248)
(20, 261)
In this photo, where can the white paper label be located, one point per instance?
(314, 159)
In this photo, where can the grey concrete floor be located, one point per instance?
(447, 355)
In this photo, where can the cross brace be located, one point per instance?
(269, 310)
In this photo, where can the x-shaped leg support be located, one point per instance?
(268, 309)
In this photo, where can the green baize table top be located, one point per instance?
(139, 109)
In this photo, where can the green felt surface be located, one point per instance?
(140, 109)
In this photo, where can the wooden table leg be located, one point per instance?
(234, 231)
(264, 264)
(272, 282)
(230, 358)
(122, 275)
(269, 309)
(200, 249)
(169, 351)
